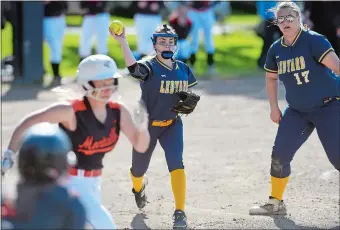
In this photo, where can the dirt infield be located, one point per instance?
(227, 150)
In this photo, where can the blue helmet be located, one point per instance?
(43, 155)
(165, 31)
(168, 32)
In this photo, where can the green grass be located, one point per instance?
(6, 41)
(236, 53)
(243, 19)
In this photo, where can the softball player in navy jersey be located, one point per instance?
(182, 25)
(308, 67)
(161, 77)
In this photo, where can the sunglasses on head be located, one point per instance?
(281, 19)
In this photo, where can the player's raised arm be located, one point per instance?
(139, 71)
(136, 129)
(117, 31)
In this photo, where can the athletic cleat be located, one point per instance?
(140, 197)
(180, 220)
(272, 207)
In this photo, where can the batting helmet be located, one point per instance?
(44, 154)
(97, 67)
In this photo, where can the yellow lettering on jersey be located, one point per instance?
(302, 63)
(292, 65)
(172, 87)
(185, 85)
(180, 86)
(177, 86)
(284, 65)
(161, 90)
(297, 64)
(305, 75)
(288, 65)
(280, 67)
(297, 77)
(167, 86)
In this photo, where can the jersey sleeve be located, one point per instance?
(320, 47)
(141, 70)
(271, 64)
(191, 79)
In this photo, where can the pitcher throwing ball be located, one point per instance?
(165, 83)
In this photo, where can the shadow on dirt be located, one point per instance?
(138, 221)
(285, 223)
(20, 92)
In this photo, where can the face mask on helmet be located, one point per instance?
(94, 92)
(95, 74)
(166, 54)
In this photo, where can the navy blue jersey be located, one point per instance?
(55, 208)
(306, 80)
(160, 87)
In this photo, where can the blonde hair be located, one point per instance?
(290, 5)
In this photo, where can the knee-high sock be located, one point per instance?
(137, 182)
(278, 186)
(178, 184)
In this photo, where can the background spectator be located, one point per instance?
(96, 20)
(54, 26)
(202, 16)
(147, 17)
(182, 25)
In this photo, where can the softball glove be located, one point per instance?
(187, 102)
